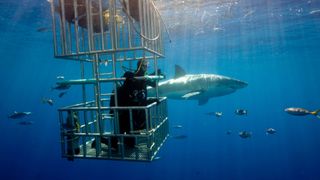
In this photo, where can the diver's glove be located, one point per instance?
(159, 73)
(152, 100)
(157, 101)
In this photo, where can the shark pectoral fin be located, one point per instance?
(202, 101)
(191, 94)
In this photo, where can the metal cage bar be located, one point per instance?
(100, 24)
(92, 33)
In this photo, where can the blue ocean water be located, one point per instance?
(272, 45)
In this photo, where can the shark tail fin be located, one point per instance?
(316, 112)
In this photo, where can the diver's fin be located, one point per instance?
(316, 112)
(202, 101)
(179, 72)
(191, 94)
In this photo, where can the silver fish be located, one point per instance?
(241, 112)
(177, 126)
(217, 114)
(62, 94)
(48, 101)
(61, 87)
(270, 131)
(296, 111)
(18, 115)
(245, 134)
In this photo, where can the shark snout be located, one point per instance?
(242, 84)
(237, 84)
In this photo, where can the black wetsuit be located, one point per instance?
(133, 92)
(72, 140)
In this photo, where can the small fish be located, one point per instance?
(180, 137)
(210, 113)
(60, 77)
(48, 101)
(177, 126)
(229, 132)
(270, 131)
(245, 134)
(43, 29)
(301, 112)
(26, 123)
(157, 158)
(217, 114)
(241, 112)
(18, 115)
(61, 86)
(62, 94)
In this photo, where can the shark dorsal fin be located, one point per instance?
(179, 72)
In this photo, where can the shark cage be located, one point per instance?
(103, 37)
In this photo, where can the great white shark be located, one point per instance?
(199, 87)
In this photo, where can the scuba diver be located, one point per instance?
(72, 126)
(133, 92)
